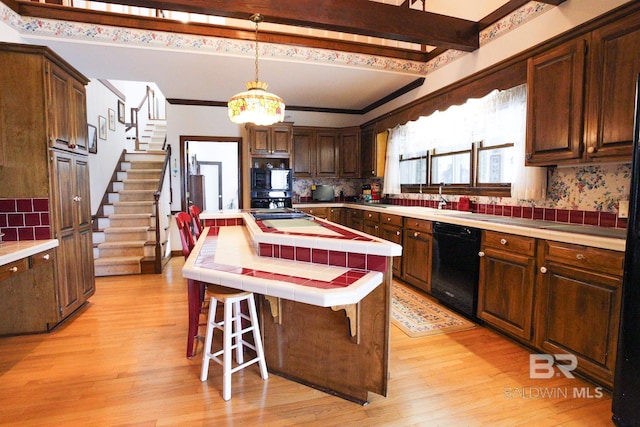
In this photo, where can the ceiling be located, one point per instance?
(305, 76)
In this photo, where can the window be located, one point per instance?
(472, 146)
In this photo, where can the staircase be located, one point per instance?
(125, 234)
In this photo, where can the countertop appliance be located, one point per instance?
(271, 188)
(455, 267)
(626, 382)
(323, 193)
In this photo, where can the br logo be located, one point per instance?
(545, 366)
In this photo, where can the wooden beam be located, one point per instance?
(354, 16)
(63, 13)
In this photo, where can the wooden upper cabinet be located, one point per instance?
(303, 153)
(327, 154)
(581, 97)
(350, 153)
(373, 149)
(270, 141)
(555, 84)
(67, 109)
(615, 64)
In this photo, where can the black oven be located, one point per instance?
(271, 188)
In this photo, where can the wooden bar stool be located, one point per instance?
(233, 327)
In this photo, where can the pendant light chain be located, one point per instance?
(257, 18)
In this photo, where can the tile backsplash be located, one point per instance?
(25, 219)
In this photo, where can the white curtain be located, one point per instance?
(496, 119)
(395, 144)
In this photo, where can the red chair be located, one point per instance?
(195, 289)
(183, 221)
(197, 223)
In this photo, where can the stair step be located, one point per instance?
(121, 248)
(114, 266)
(125, 207)
(130, 220)
(136, 195)
(117, 234)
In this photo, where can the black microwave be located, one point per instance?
(271, 180)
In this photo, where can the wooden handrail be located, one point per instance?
(156, 197)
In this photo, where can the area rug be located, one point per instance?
(418, 316)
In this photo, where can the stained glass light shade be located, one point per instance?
(256, 105)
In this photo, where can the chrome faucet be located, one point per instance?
(442, 202)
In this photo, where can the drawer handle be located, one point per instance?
(416, 234)
(580, 256)
(46, 257)
(543, 270)
(397, 233)
(369, 215)
(388, 219)
(503, 241)
(13, 269)
(480, 254)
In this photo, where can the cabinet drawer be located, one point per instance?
(319, 212)
(601, 260)
(41, 258)
(13, 268)
(418, 224)
(510, 242)
(391, 219)
(372, 216)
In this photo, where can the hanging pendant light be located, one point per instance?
(256, 105)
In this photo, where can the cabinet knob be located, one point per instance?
(580, 256)
(13, 269)
(397, 233)
(416, 234)
(388, 219)
(369, 215)
(46, 257)
(503, 241)
(480, 254)
(591, 150)
(543, 270)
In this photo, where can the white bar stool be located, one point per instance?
(233, 332)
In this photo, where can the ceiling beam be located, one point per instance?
(362, 17)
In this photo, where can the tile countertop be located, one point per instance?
(238, 266)
(587, 235)
(322, 235)
(13, 251)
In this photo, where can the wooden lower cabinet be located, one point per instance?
(28, 295)
(506, 285)
(337, 215)
(371, 223)
(355, 219)
(317, 212)
(391, 230)
(416, 259)
(578, 306)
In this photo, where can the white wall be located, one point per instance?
(102, 164)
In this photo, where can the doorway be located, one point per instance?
(211, 172)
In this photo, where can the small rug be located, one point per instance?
(417, 316)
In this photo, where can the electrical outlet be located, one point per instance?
(623, 209)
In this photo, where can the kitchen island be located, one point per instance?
(324, 295)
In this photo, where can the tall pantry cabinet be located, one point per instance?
(44, 140)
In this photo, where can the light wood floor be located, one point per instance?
(121, 362)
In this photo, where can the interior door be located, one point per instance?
(212, 172)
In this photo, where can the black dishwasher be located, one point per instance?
(455, 267)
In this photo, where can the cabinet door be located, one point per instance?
(281, 140)
(393, 233)
(326, 154)
(79, 116)
(350, 153)
(555, 84)
(336, 215)
(59, 107)
(416, 261)
(259, 137)
(84, 231)
(579, 313)
(505, 294)
(303, 153)
(615, 64)
(367, 153)
(371, 227)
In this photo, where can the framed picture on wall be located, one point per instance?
(93, 139)
(112, 119)
(121, 111)
(102, 127)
